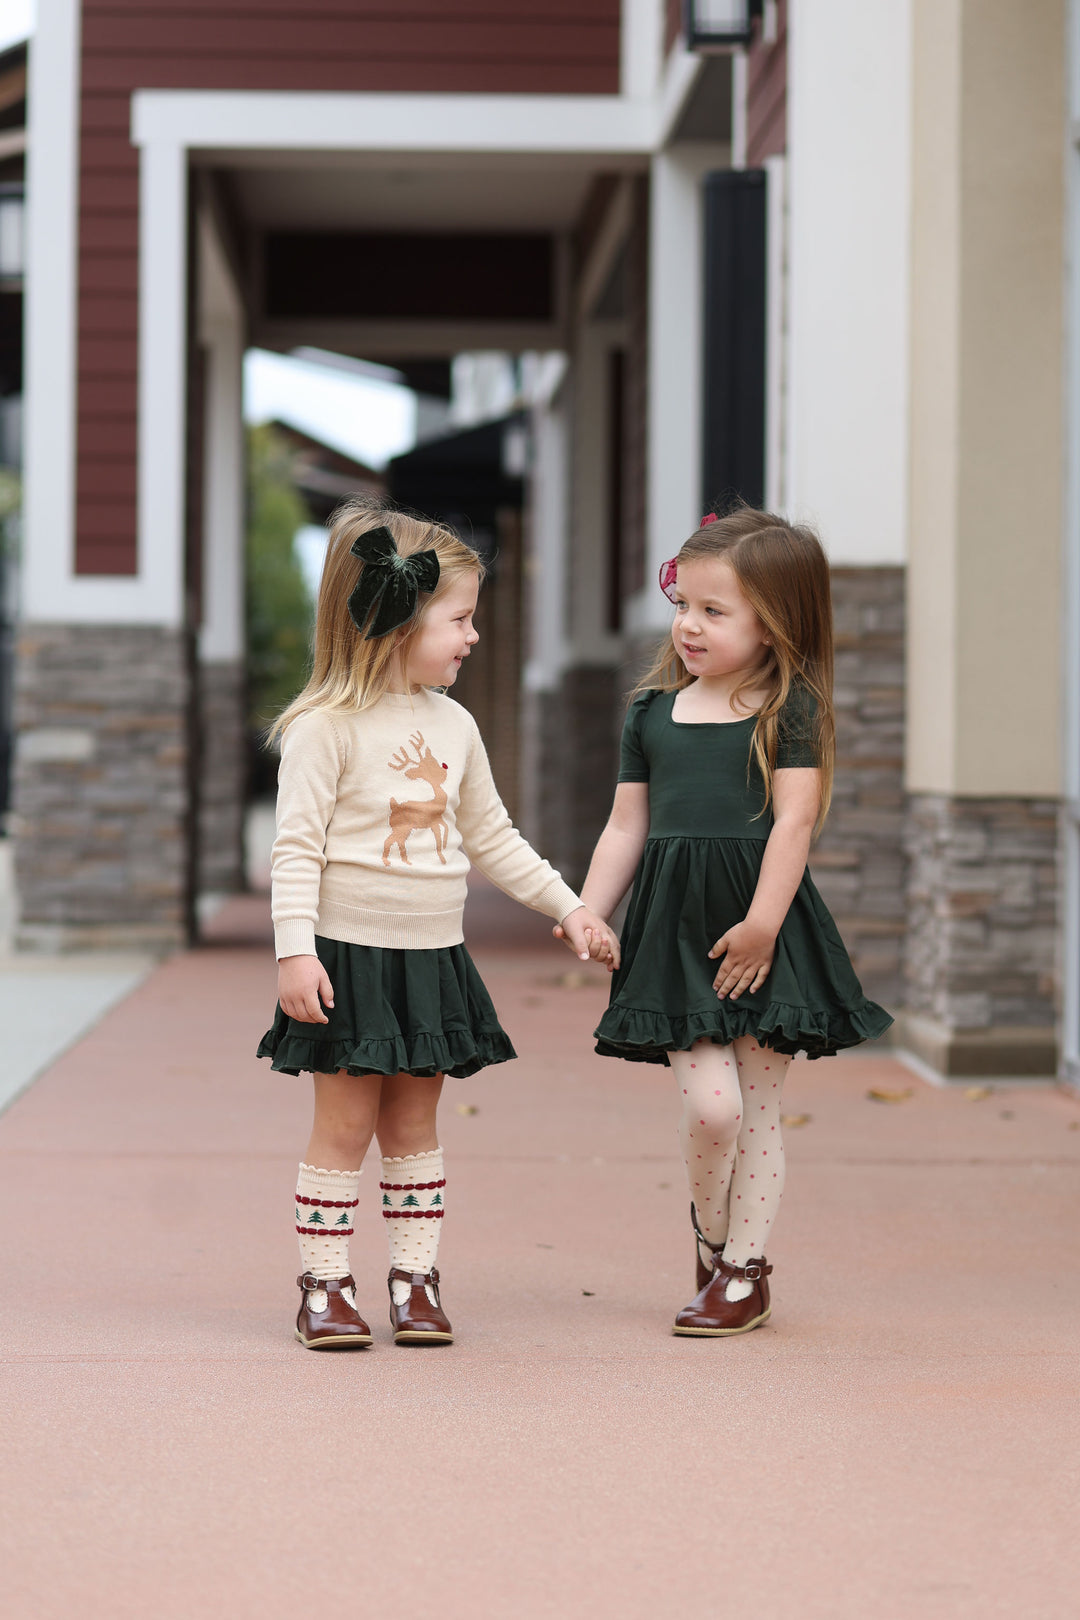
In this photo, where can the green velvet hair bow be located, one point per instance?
(388, 588)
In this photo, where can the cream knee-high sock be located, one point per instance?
(711, 1113)
(326, 1203)
(758, 1182)
(413, 1199)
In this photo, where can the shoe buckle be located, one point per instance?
(752, 1272)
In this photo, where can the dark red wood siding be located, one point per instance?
(508, 46)
(766, 94)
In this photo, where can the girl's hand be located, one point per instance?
(747, 951)
(589, 937)
(304, 989)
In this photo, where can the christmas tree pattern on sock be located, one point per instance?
(326, 1203)
(413, 1190)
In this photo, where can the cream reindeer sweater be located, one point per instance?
(379, 815)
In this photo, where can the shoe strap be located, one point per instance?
(417, 1279)
(753, 1270)
(310, 1283)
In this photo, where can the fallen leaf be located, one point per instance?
(1074, 1124)
(793, 1121)
(572, 980)
(545, 1245)
(663, 1185)
(882, 1094)
(467, 1108)
(1007, 1113)
(976, 1093)
(588, 1292)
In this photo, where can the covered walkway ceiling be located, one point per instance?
(387, 255)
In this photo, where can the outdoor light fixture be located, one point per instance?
(718, 25)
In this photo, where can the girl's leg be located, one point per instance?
(327, 1189)
(413, 1182)
(711, 1114)
(758, 1181)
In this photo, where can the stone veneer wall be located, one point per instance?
(100, 787)
(858, 863)
(982, 934)
(222, 772)
(574, 747)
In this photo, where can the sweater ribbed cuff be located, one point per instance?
(557, 900)
(294, 936)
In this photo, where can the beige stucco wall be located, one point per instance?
(988, 199)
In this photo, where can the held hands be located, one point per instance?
(589, 936)
(747, 952)
(304, 989)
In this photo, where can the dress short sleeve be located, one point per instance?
(633, 765)
(795, 743)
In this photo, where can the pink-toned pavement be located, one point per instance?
(899, 1441)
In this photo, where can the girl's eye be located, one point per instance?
(714, 611)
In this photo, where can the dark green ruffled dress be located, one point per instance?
(696, 879)
(394, 1012)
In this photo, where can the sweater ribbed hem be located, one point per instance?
(399, 930)
(390, 930)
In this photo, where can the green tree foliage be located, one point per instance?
(279, 606)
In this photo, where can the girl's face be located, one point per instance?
(446, 635)
(716, 631)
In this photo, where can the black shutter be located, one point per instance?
(733, 458)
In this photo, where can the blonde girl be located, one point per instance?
(731, 962)
(385, 797)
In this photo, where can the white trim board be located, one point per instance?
(327, 121)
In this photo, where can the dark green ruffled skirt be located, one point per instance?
(687, 893)
(394, 1012)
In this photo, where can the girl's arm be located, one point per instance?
(618, 850)
(747, 950)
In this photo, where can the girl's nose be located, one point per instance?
(473, 637)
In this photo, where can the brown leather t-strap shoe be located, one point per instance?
(340, 1326)
(713, 1316)
(704, 1272)
(418, 1321)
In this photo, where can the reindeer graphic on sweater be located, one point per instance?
(411, 815)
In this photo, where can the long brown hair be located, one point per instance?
(348, 671)
(783, 572)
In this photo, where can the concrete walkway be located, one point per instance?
(900, 1441)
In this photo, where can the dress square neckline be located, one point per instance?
(692, 725)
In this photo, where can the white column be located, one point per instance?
(162, 377)
(776, 333)
(591, 642)
(641, 43)
(849, 139)
(673, 475)
(547, 559)
(221, 332)
(221, 634)
(51, 304)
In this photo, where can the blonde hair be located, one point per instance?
(348, 671)
(783, 573)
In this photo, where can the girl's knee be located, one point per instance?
(721, 1114)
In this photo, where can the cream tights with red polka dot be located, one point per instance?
(732, 1143)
